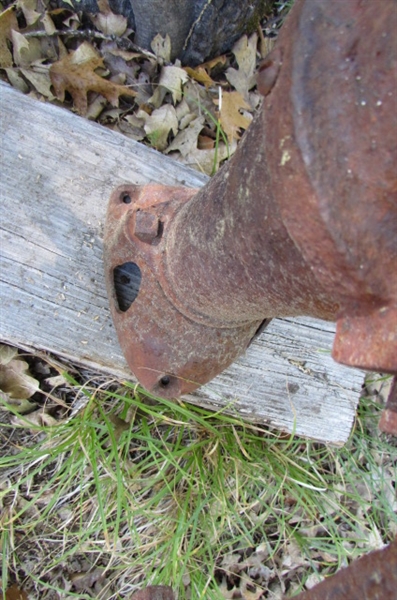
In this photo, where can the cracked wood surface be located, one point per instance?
(58, 171)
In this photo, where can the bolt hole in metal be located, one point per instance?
(127, 280)
(125, 198)
(167, 386)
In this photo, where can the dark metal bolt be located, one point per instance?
(146, 227)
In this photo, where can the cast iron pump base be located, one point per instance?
(301, 221)
(169, 352)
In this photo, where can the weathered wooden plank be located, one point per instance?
(57, 173)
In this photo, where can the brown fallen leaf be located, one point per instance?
(38, 75)
(243, 78)
(8, 23)
(38, 418)
(186, 140)
(16, 80)
(120, 426)
(21, 405)
(205, 142)
(159, 124)
(108, 22)
(184, 115)
(48, 23)
(85, 580)
(15, 593)
(15, 380)
(28, 8)
(154, 592)
(162, 48)
(266, 44)
(7, 354)
(230, 116)
(75, 73)
(213, 62)
(249, 590)
(207, 161)
(172, 79)
(200, 75)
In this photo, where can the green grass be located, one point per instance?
(159, 492)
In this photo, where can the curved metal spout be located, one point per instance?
(301, 221)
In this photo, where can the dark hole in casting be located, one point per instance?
(127, 280)
(126, 198)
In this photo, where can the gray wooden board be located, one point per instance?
(58, 171)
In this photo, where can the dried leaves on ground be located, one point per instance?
(76, 74)
(16, 384)
(96, 70)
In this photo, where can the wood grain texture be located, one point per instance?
(58, 171)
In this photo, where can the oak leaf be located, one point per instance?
(16, 80)
(159, 124)
(214, 62)
(25, 51)
(243, 78)
(38, 76)
(162, 48)
(231, 119)
(108, 22)
(75, 73)
(37, 418)
(28, 8)
(208, 161)
(186, 140)
(172, 79)
(200, 75)
(16, 384)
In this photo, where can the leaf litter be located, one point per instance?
(102, 75)
(76, 74)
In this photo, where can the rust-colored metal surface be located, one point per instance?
(372, 577)
(301, 221)
(169, 353)
(336, 145)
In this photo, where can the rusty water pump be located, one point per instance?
(301, 221)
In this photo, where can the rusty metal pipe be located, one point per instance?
(232, 238)
(301, 221)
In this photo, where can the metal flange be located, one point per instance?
(169, 353)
